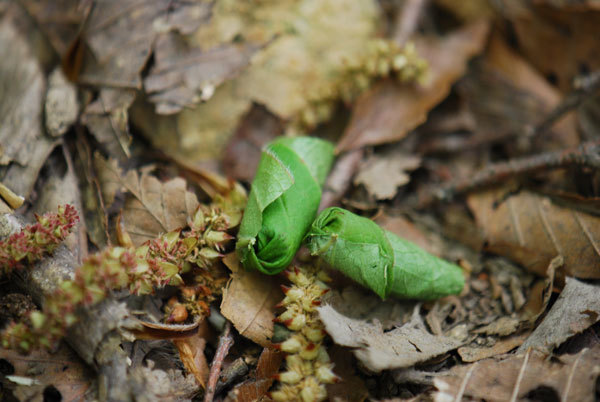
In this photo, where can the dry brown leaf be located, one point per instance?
(390, 110)
(249, 301)
(573, 4)
(63, 370)
(183, 75)
(107, 119)
(383, 174)
(191, 353)
(470, 354)
(23, 146)
(61, 106)
(120, 34)
(531, 230)
(151, 207)
(351, 387)
(159, 330)
(242, 154)
(312, 42)
(255, 388)
(59, 20)
(194, 135)
(518, 377)
(401, 347)
(508, 96)
(358, 303)
(577, 308)
(473, 10)
(560, 42)
(503, 326)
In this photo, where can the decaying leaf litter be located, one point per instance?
(468, 128)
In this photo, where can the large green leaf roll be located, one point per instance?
(380, 260)
(283, 201)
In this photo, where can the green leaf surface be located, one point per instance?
(283, 201)
(380, 260)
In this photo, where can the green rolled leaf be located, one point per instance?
(380, 260)
(283, 201)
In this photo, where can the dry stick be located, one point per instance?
(586, 155)
(584, 87)
(225, 342)
(407, 20)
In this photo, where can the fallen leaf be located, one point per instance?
(249, 301)
(388, 111)
(255, 388)
(569, 31)
(107, 118)
(182, 76)
(311, 44)
(403, 346)
(532, 230)
(61, 106)
(359, 303)
(508, 97)
(577, 308)
(62, 370)
(119, 36)
(194, 135)
(228, 195)
(470, 354)
(191, 353)
(518, 377)
(469, 11)
(351, 387)
(59, 20)
(151, 207)
(503, 326)
(256, 128)
(383, 174)
(159, 330)
(23, 145)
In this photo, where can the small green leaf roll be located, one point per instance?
(283, 201)
(380, 260)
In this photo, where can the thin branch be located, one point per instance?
(585, 155)
(584, 87)
(408, 20)
(225, 343)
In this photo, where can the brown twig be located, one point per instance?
(585, 155)
(225, 343)
(584, 87)
(407, 20)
